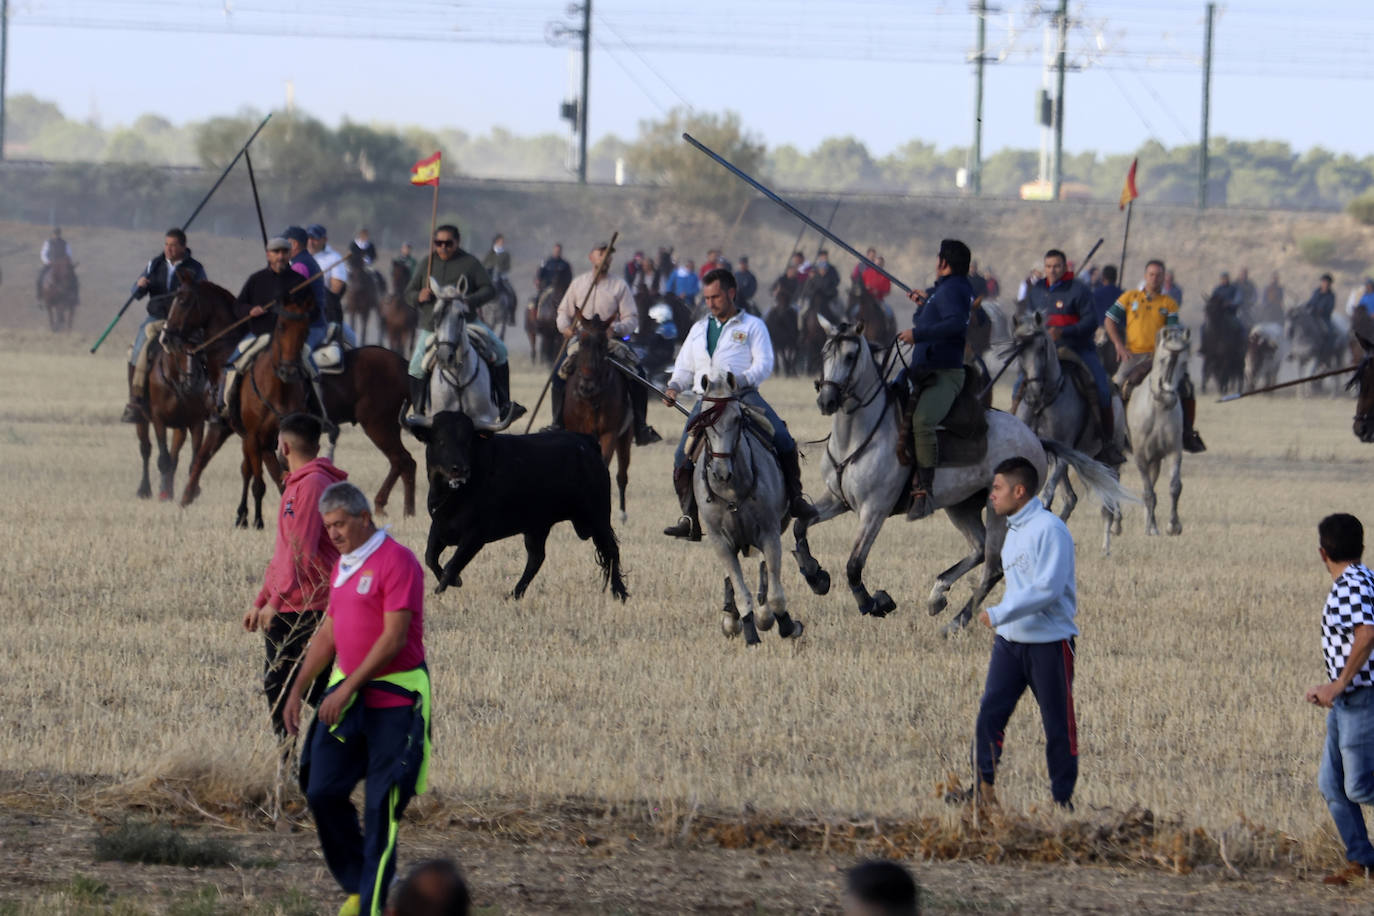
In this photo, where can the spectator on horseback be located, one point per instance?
(1225, 290)
(1322, 302)
(335, 270)
(684, 283)
(1106, 293)
(405, 258)
(295, 589)
(362, 243)
(787, 286)
(1133, 323)
(1066, 304)
(880, 287)
(497, 257)
(450, 265)
(728, 340)
(607, 297)
(937, 335)
(635, 270)
(554, 273)
(261, 291)
(55, 248)
(746, 286)
(857, 274)
(159, 281)
(712, 261)
(822, 284)
(1271, 302)
(1246, 297)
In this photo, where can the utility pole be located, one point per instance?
(976, 159)
(586, 79)
(1206, 108)
(4, 66)
(1061, 62)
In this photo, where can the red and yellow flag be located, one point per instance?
(426, 171)
(1128, 193)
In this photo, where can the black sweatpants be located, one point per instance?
(286, 639)
(1047, 669)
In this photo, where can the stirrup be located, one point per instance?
(684, 528)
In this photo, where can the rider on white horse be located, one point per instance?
(728, 340)
(938, 332)
(607, 297)
(448, 266)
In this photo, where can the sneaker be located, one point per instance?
(1353, 871)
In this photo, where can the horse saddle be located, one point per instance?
(962, 435)
(328, 356)
(1073, 366)
(1134, 378)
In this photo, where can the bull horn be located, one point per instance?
(417, 420)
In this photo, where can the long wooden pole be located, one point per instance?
(596, 276)
(242, 321)
(1296, 381)
(433, 222)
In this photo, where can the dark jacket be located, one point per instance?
(940, 326)
(1104, 297)
(446, 273)
(1321, 304)
(312, 267)
(746, 285)
(824, 285)
(1069, 307)
(264, 288)
(161, 281)
(555, 272)
(368, 251)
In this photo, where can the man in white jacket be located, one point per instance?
(728, 340)
(1035, 630)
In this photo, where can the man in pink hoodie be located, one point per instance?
(295, 590)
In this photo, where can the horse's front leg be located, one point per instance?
(993, 536)
(1149, 472)
(827, 507)
(871, 520)
(145, 451)
(1175, 490)
(736, 584)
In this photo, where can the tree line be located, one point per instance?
(309, 154)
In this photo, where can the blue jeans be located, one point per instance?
(782, 439)
(1104, 387)
(1346, 778)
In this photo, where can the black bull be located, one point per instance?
(485, 488)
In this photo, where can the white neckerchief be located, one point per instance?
(351, 562)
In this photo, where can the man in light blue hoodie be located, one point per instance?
(1035, 630)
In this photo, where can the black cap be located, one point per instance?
(295, 233)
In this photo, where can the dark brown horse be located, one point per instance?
(58, 293)
(541, 326)
(1363, 384)
(597, 401)
(398, 319)
(180, 394)
(811, 335)
(360, 298)
(865, 309)
(1224, 339)
(371, 392)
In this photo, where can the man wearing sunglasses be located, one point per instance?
(449, 265)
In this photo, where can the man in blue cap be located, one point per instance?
(304, 263)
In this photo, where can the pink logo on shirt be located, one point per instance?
(365, 582)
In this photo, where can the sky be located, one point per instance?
(797, 71)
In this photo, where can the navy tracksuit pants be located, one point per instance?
(1047, 669)
(362, 860)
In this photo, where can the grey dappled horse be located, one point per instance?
(1316, 346)
(1054, 408)
(742, 505)
(461, 379)
(862, 474)
(1155, 419)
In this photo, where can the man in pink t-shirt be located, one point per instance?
(295, 589)
(373, 723)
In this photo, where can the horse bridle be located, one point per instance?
(707, 419)
(1046, 398)
(845, 391)
(454, 347)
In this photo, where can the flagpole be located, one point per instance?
(433, 221)
(1121, 268)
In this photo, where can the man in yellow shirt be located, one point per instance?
(1141, 314)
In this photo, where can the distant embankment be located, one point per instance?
(1009, 235)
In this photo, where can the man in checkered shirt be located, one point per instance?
(1347, 771)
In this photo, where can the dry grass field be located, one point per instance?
(577, 734)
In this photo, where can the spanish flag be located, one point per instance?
(1128, 193)
(426, 171)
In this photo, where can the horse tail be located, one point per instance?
(1100, 479)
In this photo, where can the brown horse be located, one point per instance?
(398, 319)
(360, 298)
(1363, 385)
(597, 401)
(879, 327)
(58, 293)
(1224, 339)
(541, 326)
(371, 391)
(180, 398)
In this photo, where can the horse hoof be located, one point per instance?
(164, 497)
(789, 628)
(145, 493)
(729, 625)
(751, 633)
(765, 622)
(937, 604)
(1176, 528)
(882, 605)
(819, 582)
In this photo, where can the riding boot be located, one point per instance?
(904, 447)
(556, 405)
(318, 389)
(924, 485)
(1109, 454)
(500, 391)
(689, 525)
(217, 415)
(797, 503)
(639, 403)
(1192, 442)
(417, 396)
(133, 411)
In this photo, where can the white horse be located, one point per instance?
(1316, 346)
(1265, 350)
(862, 474)
(1155, 419)
(1052, 406)
(743, 505)
(461, 379)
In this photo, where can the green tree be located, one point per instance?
(660, 155)
(26, 116)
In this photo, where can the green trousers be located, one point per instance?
(934, 394)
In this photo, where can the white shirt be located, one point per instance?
(611, 301)
(743, 348)
(46, 253)
(332, 263)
